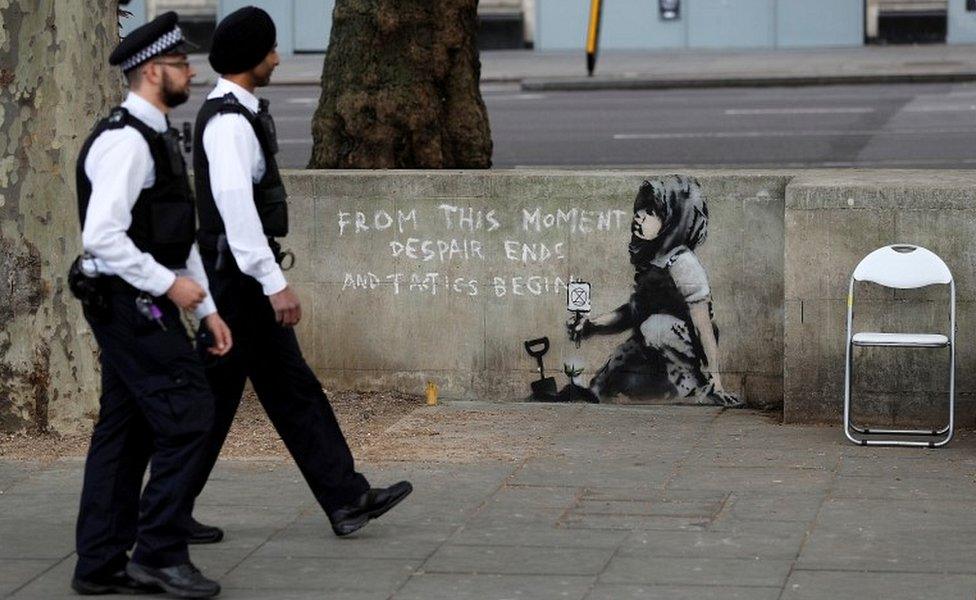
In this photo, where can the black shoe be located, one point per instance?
(116, 583)
(370, 505)
(182, 581)
(204, 534)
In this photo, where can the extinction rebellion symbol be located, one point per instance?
(578, 296)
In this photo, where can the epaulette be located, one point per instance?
(118, 118)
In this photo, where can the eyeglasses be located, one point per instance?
(182, 64)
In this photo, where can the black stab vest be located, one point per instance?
(163, 220)
(270, 197)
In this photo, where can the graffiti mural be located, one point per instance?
(672, 350)
(481, 282)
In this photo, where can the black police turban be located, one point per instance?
(242, 40)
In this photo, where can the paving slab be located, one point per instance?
(54, 508)
(846, 585)
(610, 502)
(906, 487)
(18, 572)
(634, 522)
(57, 478)
(534, 496)
(439, 586)
(768, 544)
(540, 536)
(801, 506)
(762, 458)
(284, 486)
(777, 480)
(593, 473)
(893, 535)
(604, 591)
(53, 583)
(518, 560)
(330, 575)
(896, 463)
(690, 508)
(381, 539)
(33, 538)
(697, 571)
(12, 473)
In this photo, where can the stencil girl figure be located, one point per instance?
(673, 349)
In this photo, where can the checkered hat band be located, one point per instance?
(165, 42)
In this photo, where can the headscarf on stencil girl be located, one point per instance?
(676, 200)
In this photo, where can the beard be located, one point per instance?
(172, 96)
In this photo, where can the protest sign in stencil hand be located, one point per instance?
(578, 302)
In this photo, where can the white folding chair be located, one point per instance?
(901, 266)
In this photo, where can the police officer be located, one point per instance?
(243, 211)
(139, 270)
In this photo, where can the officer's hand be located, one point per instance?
(288, 310)
(222, 341)
(186, 293)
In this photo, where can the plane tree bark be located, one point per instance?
(400, 88)
(54, 83)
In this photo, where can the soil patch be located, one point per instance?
(364, 418)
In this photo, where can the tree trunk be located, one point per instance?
(54, 82)
(400, 88)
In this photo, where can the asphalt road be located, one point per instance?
(879, 126)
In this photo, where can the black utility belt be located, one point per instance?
(95, 292)
(117, 285)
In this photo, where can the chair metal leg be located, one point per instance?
(848, 389)
(877, 431)
(853, 432)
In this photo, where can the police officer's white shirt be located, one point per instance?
(236, 163)
(119, 166)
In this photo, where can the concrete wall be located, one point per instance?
(832, 221)
(467, 333)
(780, 250)
(779, 253)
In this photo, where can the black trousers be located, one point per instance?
(156, 410)
(296, 404)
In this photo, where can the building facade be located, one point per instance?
(644, 24)
(677, 24)
(305, 25)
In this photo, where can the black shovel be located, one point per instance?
(543, 390)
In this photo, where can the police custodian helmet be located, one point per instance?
(162, 35)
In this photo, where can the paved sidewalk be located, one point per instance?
(569, 501)
(649, 69)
